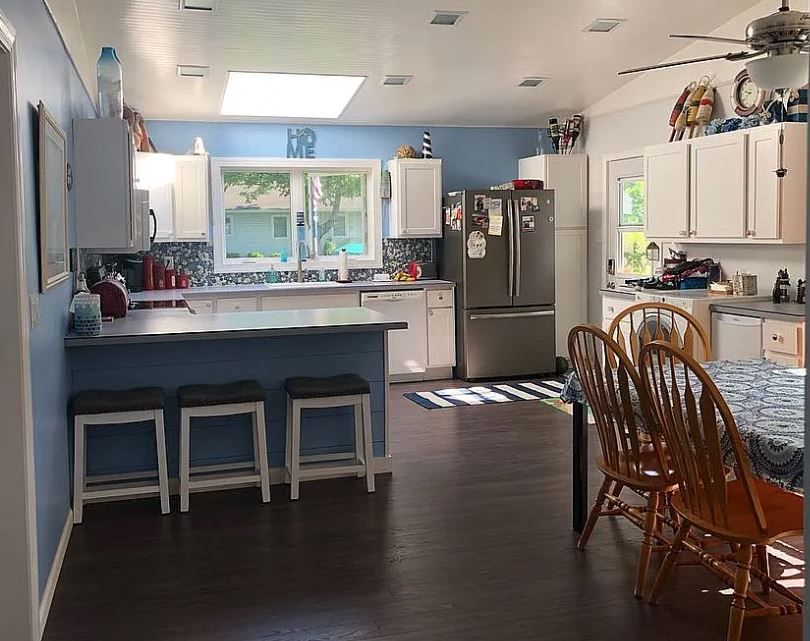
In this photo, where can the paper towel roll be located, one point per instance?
(343, 266)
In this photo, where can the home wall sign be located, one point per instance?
(301, 143)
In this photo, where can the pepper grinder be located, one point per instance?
(800, 291)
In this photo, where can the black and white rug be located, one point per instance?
(545, 390)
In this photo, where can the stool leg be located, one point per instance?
(185, 450)
(359, 437)
(78, 469)
(288, 440)
(256, 466)
(368, 443)
(260, 438)
(163, 472)
(295, 454)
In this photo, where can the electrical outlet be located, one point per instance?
(34, 298)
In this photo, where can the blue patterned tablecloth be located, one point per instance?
(767, 401)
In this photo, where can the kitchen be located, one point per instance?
(338, 305)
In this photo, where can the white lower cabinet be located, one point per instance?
(201, 306)
(237, 305)
(783, 342)
(441, 326)
(311, 301)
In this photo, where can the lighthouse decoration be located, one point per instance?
(427, 148)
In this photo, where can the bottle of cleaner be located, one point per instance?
(110, 84)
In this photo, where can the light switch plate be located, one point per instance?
(34, 298)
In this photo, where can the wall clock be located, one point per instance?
(745, 95)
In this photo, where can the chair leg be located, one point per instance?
(764, 567)
(617, 489)
(669, 562)
(163, 472)
(295, 454)
(594, 515)
(185, 453)
(359, 436)
(647, 542)
(260, 453)
(78, 468)
(741, 580)
(288, 440)
(368, 443)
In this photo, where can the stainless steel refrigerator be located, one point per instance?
(498, 247)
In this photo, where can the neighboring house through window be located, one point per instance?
(626, 217)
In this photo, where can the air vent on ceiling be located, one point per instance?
(396, 81)
(604, 25)
(447, 18)
(534, 81)
(192, 71)
(198, 5)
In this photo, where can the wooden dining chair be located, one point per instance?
(643, 323)
(744, 511)
(609, 381)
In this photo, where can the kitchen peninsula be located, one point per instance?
(173, 347)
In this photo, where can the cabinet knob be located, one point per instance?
(692, 232)
(682, 232)
(776, 338)
(430, 312)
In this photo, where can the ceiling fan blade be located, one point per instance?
(735, 41)
(740, 55)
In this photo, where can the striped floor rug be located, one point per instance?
(488, 394)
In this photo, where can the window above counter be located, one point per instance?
(263, 208)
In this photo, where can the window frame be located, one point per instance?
(297, 167)
(642, 227)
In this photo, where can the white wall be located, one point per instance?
(638, 115)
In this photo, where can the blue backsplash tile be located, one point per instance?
(198, 260)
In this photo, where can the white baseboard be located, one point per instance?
(53, 576)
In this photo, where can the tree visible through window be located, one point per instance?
(632, 240)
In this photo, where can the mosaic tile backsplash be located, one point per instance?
(198, 260)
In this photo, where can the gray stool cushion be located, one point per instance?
(207, 395)
(107, 401)
(311, 387)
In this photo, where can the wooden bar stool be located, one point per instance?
(100, 408)
(242, 397)
(347, 390)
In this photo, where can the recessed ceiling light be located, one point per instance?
(192, 71)
(604, 25)
(534, 81)
(198, 5)
(396, 81)
(288, 95)
(447, 18)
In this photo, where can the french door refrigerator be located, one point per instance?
(498, 247)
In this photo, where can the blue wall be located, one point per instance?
(472, 157)
(45, 73)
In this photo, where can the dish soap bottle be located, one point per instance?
(110, 84)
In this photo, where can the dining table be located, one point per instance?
(766, 400)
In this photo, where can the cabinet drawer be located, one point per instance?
(781, 337)
(784, 359)
(237, 305)
(440, 298)
(201, 306)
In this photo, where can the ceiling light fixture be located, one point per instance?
(396, 81)
(447, 18)
(192, 71)
(532, 81)
(604, 25)
(288, 95)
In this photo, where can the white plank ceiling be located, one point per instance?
(462, 75)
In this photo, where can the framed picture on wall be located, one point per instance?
(53, 202)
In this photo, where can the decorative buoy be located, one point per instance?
(427, 148)
(678, 108)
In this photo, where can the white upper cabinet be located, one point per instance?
(567, 175)
(718, 186)
(178, 194)
(666, 179)
(416, 198)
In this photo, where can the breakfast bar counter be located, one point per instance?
(169, 348)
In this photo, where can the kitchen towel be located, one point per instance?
(490, 394)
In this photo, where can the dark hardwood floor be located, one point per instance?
(470, 539)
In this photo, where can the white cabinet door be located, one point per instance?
(311, 301)
(237, 305)
(718, 182)
(441, 337)
(201, 306)
(666, 175)
(567, 175)
(570, 283)
(763, 185)
(416, 199)
(191, 198)
(156, 174)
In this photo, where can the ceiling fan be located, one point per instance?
(777, 47)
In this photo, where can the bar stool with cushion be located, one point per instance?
(103, 407)
(347, 390)
(241, 397)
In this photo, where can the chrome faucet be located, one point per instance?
(302, 250)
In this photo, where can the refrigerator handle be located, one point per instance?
(509, 206)
(516, 220)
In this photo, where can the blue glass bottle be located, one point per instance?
(110, 84)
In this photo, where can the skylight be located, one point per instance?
(288, 95)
